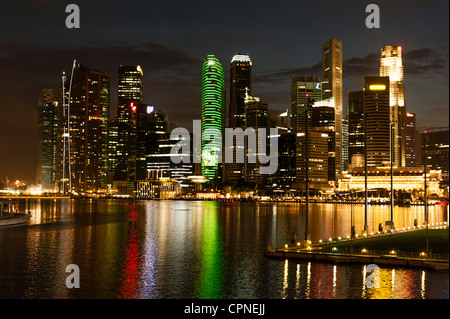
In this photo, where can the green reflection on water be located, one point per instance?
(210, 279)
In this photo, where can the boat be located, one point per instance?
(9, 218)
(14, 219)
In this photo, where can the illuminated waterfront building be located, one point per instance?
(405, 178)
(213, 117)
(332, 87)
(376, 109)
(48, 126)
(391, 66)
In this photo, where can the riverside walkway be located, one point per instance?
(404, 248)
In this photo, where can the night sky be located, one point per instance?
(170, 39)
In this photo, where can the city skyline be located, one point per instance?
(171, 65)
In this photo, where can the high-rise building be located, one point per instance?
(48, 126)
(376, 109)
(257, 116)
(318, 160)
(130, 94)
(323, 121)
(355, 115)
(88, 128)
(240, 85)
(437, 148)
(332, 87)
(112, 150)
(285, 176)
(391, 66)
(303, 88)
(213, 117)
(411, 139)
(345, 144)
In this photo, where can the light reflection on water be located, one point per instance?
(177, 249)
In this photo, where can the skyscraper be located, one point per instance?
(376, 109)
(437, 149)
(355, 110)
(257, 116)
(391, 66)
(130, 93)
(213, 116)
(332, 87)
(323, 121)
(411, 139)
(318, 160)
(240, 85)
(47, 125)
(303, 88)
(345, 144)
(88, 122)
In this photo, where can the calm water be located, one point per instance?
(194, 249)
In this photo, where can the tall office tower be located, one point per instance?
(112, 149)
(332, 87)
(47, 125)
(240, 85)
(284, 177)
(391, 66)
(130, 93)
(303, 88)
(151, 145)
(213, 116)
(257, 116)
(318, 160)
(355, 110)
(411, 140)
(376, 109)
(88, 122)
(323, 121)
(437, 148)
(345, 144)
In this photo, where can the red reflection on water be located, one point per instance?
(132, 216)
(129, 288)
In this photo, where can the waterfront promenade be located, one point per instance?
(404, 248)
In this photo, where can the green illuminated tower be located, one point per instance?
(213, 116)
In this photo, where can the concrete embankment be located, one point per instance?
(391, 261)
